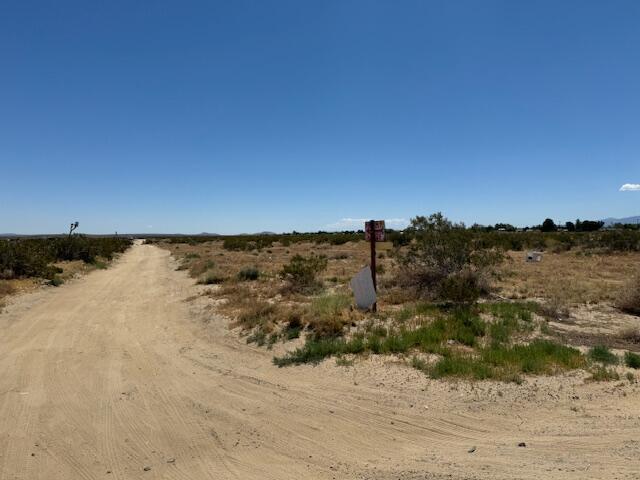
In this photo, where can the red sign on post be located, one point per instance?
(377, 228)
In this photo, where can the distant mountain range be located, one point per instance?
(613, 221)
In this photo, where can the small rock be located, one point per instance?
(522, 444)
(171, 460)
(472, 449)
(146, 469)
(33, 454)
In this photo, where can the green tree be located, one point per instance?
(548, 226)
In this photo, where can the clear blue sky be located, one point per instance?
(243, 116)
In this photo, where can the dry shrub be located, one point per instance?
(631, 335)
(6, 288)
(556, 305)
(629, 299)
(258, 312)
(329, 314)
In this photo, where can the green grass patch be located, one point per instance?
(632, 360)
(420, 309)
(537, 357)
(510, 310)
(463, 366)
(329, 306)
(99, 264)
(462, 326)
(603, 374)
(602, 354)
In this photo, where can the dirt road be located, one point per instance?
(122, 375)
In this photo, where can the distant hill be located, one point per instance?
(612, 221)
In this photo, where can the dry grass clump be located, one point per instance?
(631, 335)
(556, 303)
(629, 299)
(6, 288)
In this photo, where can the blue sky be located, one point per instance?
(246, 116)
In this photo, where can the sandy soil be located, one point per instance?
(117, 375)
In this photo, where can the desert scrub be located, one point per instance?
(56, 281)
(602, 354)
(301, 272)
(328, 314)
(632, 360)
(509, 318)
(210, 279)
(629, 298)
(21, 258)
(462, 327)
(248, 274)
(445, 261)
(603, 374)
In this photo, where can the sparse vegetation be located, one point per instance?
(210, 279)
(632, 360)
(248, 274)
(56, 281)
(602, 354)
(282, 287)
(603, 374)
(629, 299)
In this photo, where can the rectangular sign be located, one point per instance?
(376, 227)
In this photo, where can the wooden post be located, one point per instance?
(372, 241)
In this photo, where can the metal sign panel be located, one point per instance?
(363, 290)
(376, 226)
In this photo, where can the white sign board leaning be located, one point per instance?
(363, 290)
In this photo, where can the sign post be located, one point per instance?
(374, 232)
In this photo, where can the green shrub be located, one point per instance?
(445, 261)
(210, 279)
(56, 281)
(248, 274)
(33, 257)
(234, 243)
(602, 354)
(302, 272)
(632, 360)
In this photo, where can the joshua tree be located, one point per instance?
(73, 226)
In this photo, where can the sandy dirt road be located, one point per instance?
(122, 375)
